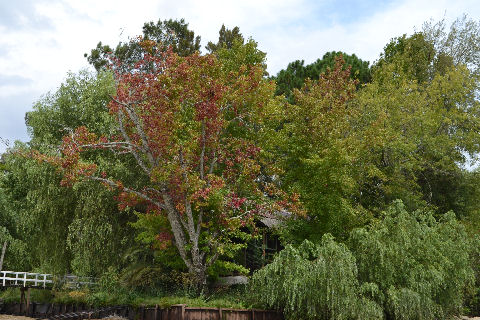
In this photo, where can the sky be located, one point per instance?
(43, 40)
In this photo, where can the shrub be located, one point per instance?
(404, 266)
(313, 282)
(420, 265)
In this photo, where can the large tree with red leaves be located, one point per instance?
(191, 124)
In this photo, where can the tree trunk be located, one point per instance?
(199, 279)
(4, 249)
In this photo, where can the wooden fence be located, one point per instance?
(176, 312)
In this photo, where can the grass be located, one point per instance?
(37, 295)
(220, 298)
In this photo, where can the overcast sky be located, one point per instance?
(44, 39)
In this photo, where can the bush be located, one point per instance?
(405, 266)
(420, 265)
(313, 282)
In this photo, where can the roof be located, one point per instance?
(276, 219)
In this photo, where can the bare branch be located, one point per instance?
(139, 126)
(139, 159)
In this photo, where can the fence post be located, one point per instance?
(220, 313)
(28, 302)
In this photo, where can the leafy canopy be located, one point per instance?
(294, 76)
(190, 125)
(405, 266)
(166, 34)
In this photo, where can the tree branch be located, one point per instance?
(212, 163)
(140, 161)
(202, 154)
(177, 231)
(190, 227)
(139, 126)
(140, 194)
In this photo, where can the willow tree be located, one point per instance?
(191, 126)
(71, 230)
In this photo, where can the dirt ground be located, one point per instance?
(7, 317)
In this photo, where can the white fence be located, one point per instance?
(25, 279)
(43, 280)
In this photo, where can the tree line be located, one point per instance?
(162, 161)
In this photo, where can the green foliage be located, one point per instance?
(11, 295)
(222, 268)
(419, 128)
(241, 56)
(294, 76)
(406, 266)
(226, 39)
(405, 135)
(80, 100)
(16, 256)
(222, 298)
(168, 33)
(421, 266)
(313, 282)
(412, 56)
(316, 146)
(42, 209)
(460, 45)
(66, 229)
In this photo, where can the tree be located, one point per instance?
(420, 266)
(80, 100)
(168, 33)
(428, 109)
(226, 39)
(296, 73)
(313, 281)
(413, 56)
(316, 143)
(407, 265)
(78, 229)
(14, 254)
(350, 152)
(460, 45)
(190, 127)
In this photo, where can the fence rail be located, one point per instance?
(41, 280)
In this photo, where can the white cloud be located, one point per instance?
(286, 29)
